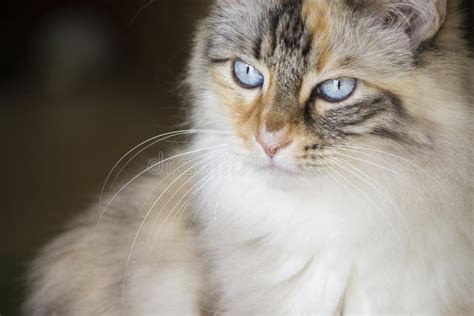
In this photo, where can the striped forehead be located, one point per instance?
(297, 39)
(276, 32)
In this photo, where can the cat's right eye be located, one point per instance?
(246, 75)
(337, 90)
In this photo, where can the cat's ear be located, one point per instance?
(420, 19)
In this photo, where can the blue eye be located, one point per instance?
(337, 90)
(247, 76)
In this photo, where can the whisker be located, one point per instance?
(154, 140)
(177, 190)
(166, 178)
(382, 213)
(369, 162)
(204, 200)
(200, 186)
(211, 190)
(401, 159)
(341, 183)
(353, 149)
(191, 192)
(361, 151)
(131, 151)
(129, 258)
(146, 5)
(372, 183)
(148, 146)
(145, 171)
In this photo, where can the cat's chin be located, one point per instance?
(286, 178)
(282, 169)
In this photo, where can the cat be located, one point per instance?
(329, 173)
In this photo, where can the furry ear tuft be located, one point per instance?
(420, 19)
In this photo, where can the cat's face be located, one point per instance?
(293, 81)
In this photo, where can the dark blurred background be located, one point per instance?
(81, 82)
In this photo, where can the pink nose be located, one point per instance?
(272, 143)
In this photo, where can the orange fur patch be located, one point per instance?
(247, 117)
(316, 14)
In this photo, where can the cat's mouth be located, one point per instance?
(279, 167)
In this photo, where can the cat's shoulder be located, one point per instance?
(142, 225)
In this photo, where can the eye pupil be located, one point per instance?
(248, 70)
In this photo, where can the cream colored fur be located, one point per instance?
(391, 237)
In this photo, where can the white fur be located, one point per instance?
(316, 245)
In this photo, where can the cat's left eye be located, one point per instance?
(337, 90)
(246, 75)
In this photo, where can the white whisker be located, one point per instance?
(417, 168)
(145, 171)
(341, 183)
(191, 192)
(127, 266)
(370, 163)
(382, 213)
(154, 140)
(204, 200)
(373, 184)
(155, 203)
(166, 178)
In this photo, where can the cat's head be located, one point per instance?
(293, 81)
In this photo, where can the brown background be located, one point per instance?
(69, 111)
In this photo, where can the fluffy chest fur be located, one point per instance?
(335, 243)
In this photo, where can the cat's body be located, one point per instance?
(383, 227)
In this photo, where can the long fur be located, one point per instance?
(367, 218)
